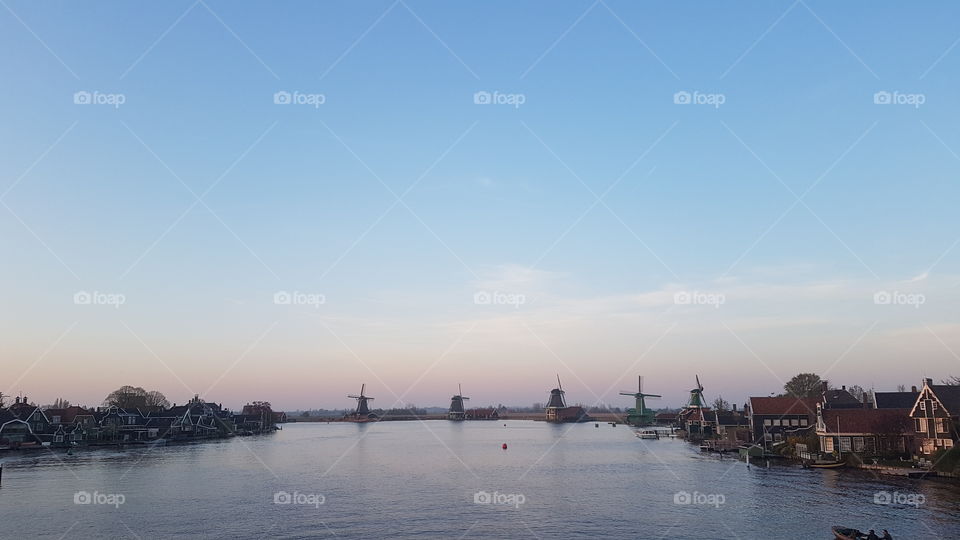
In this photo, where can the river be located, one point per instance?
(440, 479)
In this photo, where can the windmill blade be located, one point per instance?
(362, 387)
(559, 386)
(640, 384)
(460, 389)
(699, 386)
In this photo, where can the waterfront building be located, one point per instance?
(867, 432)
(773, 419)
(936, 416)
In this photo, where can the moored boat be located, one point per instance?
(648, 434)
(827, 464)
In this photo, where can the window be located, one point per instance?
(858, 444)
(56, 419)
(870, 446)
(933, 405)
(803, 421)
(923, 405)
(793, 422)
(941, 426)
(776, 422)
(845, 444)
(767, 422)
(777, 437)
(922, 425)
(828, 444)
(767, 437)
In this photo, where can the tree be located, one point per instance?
(135, 397)
(901, 388)
(857, 391)
(952, 380)
(156, 399)
(804, 385)
(60, 403)
(721, 404)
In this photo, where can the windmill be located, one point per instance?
(640, 415)
(556, 403)
(363, 411)
(696, 395)
(457, 410)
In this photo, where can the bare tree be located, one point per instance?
(952, 380)
(721, 404)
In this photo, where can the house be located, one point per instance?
(15, 432)
(732, 425)
(936, 416)
(665, 418)
(869, 432)
(894, 400)
(33, 415)
(698, 422)
(838, 398)
(773, 419)
(487, 413)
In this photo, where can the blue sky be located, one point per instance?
(494, 197)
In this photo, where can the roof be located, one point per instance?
(895, 400)
(784, 405)
(666, 415)
(69, 414)
(949, 395)
(864, 420)
(837, 398)
(731, 419)
(6, 416)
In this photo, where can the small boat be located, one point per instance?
(846, 533)
(648, 434)
(827, 464)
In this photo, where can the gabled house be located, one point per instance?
(482, 413)
(838, 398)
(936, 416)
(773, 419)
(15, 432)
(895, 400)
(33, 415)
(869, 432)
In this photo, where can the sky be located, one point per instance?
(283, 201)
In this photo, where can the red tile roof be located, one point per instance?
(865, 420)
(784, 405)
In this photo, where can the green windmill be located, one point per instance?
(640, 415)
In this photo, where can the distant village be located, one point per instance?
(129, 415)
(810, 421)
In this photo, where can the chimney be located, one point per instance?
(843, 387)
(18, 400)
(734, 407)
(913, 389)
(928, 382)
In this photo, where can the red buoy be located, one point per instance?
(504, 446)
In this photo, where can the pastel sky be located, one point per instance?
(617, 229)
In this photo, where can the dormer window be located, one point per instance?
(923, 405)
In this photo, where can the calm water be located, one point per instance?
(409, 479)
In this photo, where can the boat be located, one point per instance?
(648, 434)
(827, 464)
(846, 533)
